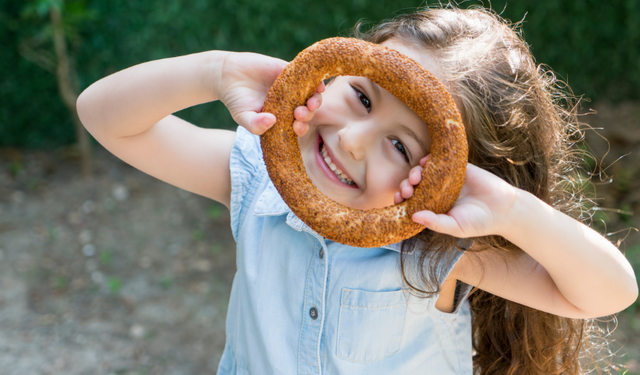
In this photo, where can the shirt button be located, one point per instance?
(321, 254)
(313, 313)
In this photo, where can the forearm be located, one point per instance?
(131, 101)
(588, 270)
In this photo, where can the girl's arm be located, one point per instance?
(565, 268)
(129, 113)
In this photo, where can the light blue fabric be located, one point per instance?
(366, 321)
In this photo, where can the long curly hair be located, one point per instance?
(521, 125)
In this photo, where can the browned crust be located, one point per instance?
(443, 174)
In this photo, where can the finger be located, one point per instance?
(426, 218)
(300, 128)
(406, 189)
(439, 223)
(321, 88)
(415, 175)
(256, 123)
(302, 113)
(278, 67)
(314, 102)
(423, 161)
(397, 198)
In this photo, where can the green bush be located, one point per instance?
(592, 45)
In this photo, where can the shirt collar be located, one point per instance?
(270, 203)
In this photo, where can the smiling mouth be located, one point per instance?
(340, 174)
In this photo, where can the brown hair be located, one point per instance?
(521, 123)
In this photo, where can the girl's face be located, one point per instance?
(363, 141)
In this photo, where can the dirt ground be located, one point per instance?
(119, 274)
(123, 274)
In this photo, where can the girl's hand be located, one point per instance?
(243, 84)
(481, 209)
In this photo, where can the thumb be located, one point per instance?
(438, 223)
(256, 123)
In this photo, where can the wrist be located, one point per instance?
(517, 214)
(212, 72)
(528, 215)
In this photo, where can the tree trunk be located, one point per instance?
(67, 79)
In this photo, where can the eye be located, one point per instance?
(363, 99)
(400, 147)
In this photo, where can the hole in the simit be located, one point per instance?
(358, 118)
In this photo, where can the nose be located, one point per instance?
(353, 138)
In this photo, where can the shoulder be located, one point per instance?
(246, 151)
(247, 171)
(246, 162)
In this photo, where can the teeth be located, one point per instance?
(340, 174)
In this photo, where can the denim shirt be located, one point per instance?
(302, 304)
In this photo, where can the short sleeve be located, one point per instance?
(444, 269)
(247, 172)
(444, 266)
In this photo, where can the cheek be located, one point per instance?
(395, 167)
(388, 177)
(308, 144)
(394, 180)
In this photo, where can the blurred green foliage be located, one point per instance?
(166, 282)
(215, 211)
(114, 284)
(197, 235)
(61, 282)
(106, 257)
(594, 45)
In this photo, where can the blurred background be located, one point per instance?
(104, 270)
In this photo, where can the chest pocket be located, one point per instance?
(371, 324)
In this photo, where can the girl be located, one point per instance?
(301, 304)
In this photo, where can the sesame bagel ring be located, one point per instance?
(443, 174)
